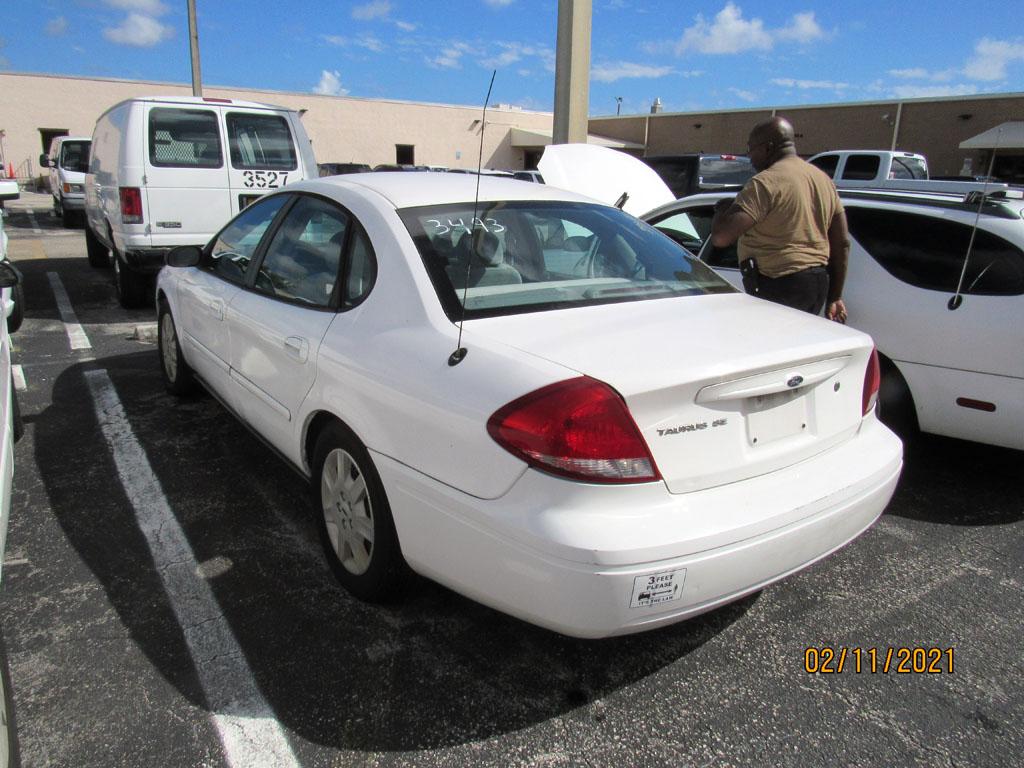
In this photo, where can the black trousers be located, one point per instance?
(806, 290)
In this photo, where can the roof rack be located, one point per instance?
(992, 204)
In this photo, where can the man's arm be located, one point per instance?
(729, 223)
(838, 255)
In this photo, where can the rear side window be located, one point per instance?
(908, 168)
(184, 138)
(827, 163)
(260, 142)
(929, 252)
(861, 167)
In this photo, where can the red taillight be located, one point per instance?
(578, 428)
(131, 205)
(872, 380)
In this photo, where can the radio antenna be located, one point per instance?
(957, 299)
(459, 354)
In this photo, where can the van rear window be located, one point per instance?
(260, 142)
(184, 138)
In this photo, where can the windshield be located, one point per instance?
(725, 170)
(74, 156)
(532, 256)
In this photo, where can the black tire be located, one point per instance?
(10, 756)
(895, 403)
(17, 315)
(178, 376)
(68, 219)
(130, 286)
(97, 252)
(375, 570)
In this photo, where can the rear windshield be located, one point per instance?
(715, 171)
(74, 156)
(184, 138)
(260, 142)
(528, 256)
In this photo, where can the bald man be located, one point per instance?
(788, 218)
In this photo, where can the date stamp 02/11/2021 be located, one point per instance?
(902, 660)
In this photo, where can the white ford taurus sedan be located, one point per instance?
(530, 397)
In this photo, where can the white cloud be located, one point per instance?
(731, 33)
(745, 95)
(787, 82)
(57, 27)
(139, 30)
(335, 40)
(143, 7)
(499, 3)
(611, 72)
(991, 58)
(914, 73)
(370, 43)
(449, 58)
(405, 26)
(330, 84)
(377, 9)
(930, 91)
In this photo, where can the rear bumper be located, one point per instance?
(574, 558)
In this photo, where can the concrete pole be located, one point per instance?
(572, 72)
(193, 42)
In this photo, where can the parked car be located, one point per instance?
(528, 396)
(689, 174)
(68, 161)
(534, 176)
(10, 431)
(336, 169)
(169, 171)
(943, 302)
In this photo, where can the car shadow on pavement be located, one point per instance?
(956, 482)
(434, 670)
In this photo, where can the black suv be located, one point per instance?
(690, 174)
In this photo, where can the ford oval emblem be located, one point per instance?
(796, 381)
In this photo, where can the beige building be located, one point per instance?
(933, 127)
(34, 108)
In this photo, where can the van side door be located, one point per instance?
(186, 176)
(262, 153)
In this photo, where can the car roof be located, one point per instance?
(409, 190)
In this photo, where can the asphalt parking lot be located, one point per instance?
(109, 669)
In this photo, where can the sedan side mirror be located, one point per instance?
(184, 256)
(9, 275)
(44, 161)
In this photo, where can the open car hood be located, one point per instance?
(604, 174)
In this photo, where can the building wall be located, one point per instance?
(342, 129)
(933, 127)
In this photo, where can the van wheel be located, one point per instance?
(97, 252)
(356, 527)
(177, 374)
(17, 315)
(131, 287)
(895, 402)
(67, 218)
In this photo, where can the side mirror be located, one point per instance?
(184, 256)
(9, 275)
(44, 161)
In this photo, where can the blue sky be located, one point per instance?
(691, 55)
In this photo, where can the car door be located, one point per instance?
(963, 365)
(206, 292)
(277, 325)
(262, 153)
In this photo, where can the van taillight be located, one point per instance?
(131, 205)
(872, 381)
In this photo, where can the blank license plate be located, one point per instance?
(773, 417)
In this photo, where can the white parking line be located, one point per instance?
(76, 335)
(32, 220)
(246, 725)
(18, 374)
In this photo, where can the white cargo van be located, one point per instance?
(68, 161)
(168, 171)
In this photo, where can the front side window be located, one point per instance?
(302, 260)
(74, 156)
(689, 228)
(521, 256)
(929, 252)
(234, 247)
(861, 167)
(260, 142)
(184, 138)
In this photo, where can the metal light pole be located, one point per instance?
(618, 105)
(193, 42)
(572, 72)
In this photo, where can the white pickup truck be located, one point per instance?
(883, 169)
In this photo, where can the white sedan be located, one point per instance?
(530, 397)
